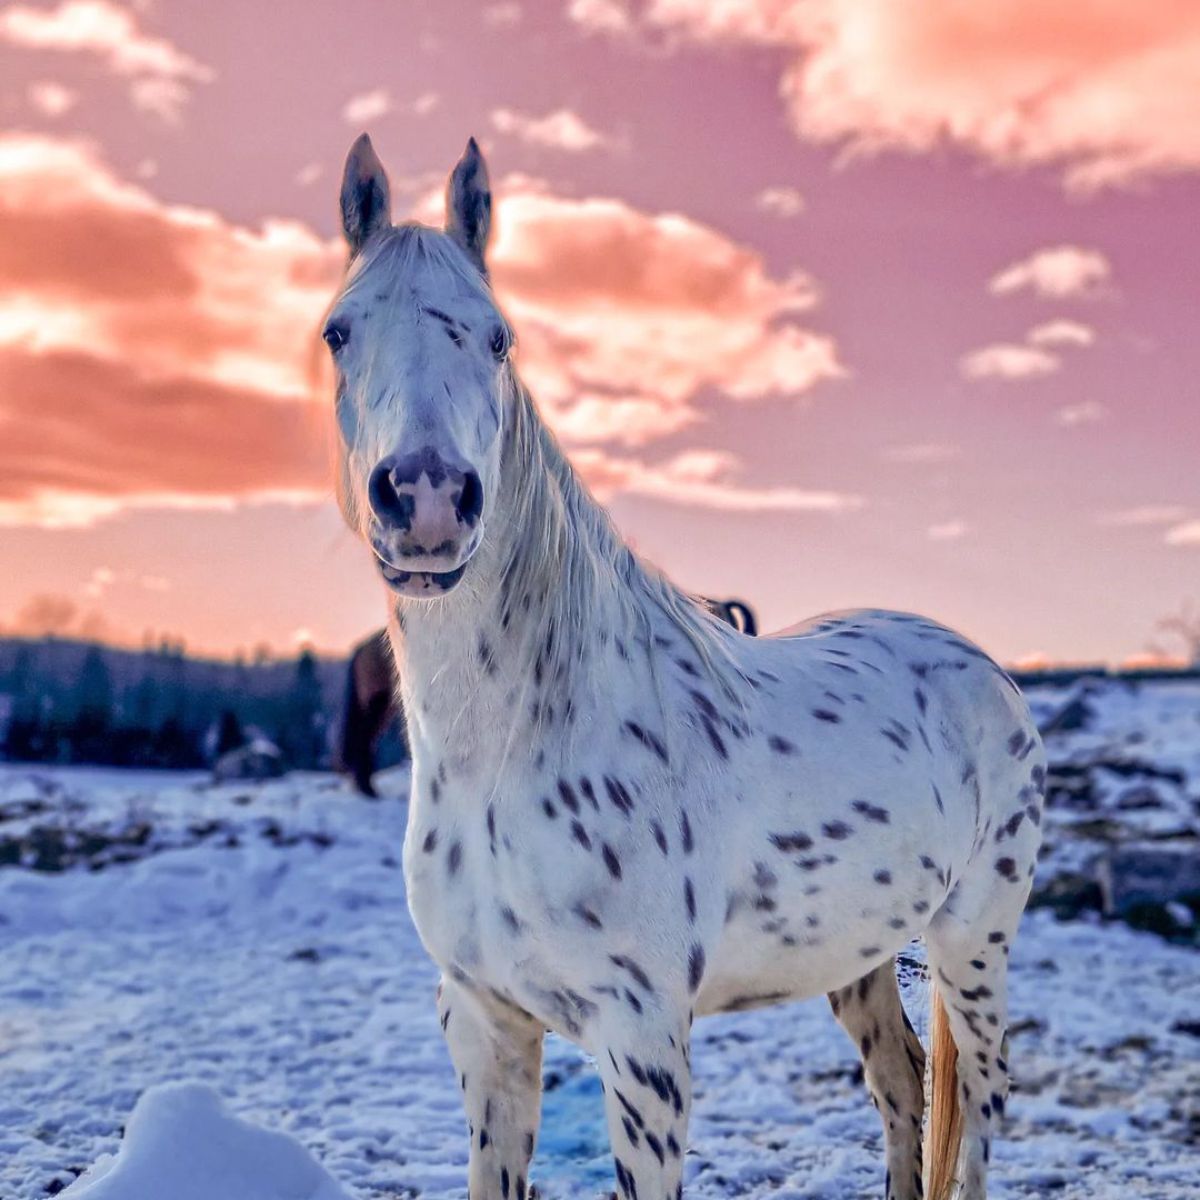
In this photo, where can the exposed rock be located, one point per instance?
(260, 759)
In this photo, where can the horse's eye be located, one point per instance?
(501, 341)
(336, 336)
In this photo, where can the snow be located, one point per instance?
(182, 1143)
(223, 960)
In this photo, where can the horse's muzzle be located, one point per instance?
(425, 520)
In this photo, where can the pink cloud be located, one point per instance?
(702, 478)
(160, 74)
(780, 201)
(1187, 533)
(558, 130)
(1008, 360)
(1061, 333)
(1086, 412)
(1060, 272)
(1145, 514)
(1105, 92)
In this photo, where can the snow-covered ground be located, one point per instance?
(253, 938)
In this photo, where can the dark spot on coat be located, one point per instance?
(871, 811)
(611, 861)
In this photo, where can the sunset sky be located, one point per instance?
(835, 302)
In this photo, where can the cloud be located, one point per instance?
(617, 306)
(780, 201)
(1104, 92)
(920, 453)
(367, 107)
(502, 16)
(158, 356)
(559, 130)
(1145, 514)
(1087, 412)
(704, 479)
(1008, 360)
(161, 356)
(601, 16)
(947, 531)
(1061, 333)
(160, 75)
(1185, 534)
(1060, 272)
(48, 614)
(1031, 360)
(309, 174)
(52, 99)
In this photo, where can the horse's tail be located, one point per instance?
(943, 1133)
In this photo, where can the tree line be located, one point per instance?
(73, 702)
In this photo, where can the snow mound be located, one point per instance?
(181, 1144)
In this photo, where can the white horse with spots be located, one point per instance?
(626, 814)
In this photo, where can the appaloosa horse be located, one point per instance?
(626, 814)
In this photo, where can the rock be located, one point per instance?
(259, 759)
(1157, 875)
(1073, 715)
(1069, 893)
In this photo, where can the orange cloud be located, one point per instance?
(153, 354)
(1105, 91)
(642, 313)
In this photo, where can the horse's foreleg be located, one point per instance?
(646, 1068)
(497, 1052)
(894, 1065)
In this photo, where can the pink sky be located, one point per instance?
(836, 302)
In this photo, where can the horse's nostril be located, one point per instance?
(470, 499)
(387, 503)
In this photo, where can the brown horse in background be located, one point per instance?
(372, 700)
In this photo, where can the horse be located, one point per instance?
(370, 706)
(626, 814)
(372, 701)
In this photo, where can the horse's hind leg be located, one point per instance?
(894, 1064)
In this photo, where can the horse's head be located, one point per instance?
(420, 352)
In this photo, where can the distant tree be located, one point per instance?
(1184, 626)
(230, 735)
(94, 692)
(303, 734)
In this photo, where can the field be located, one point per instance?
(253, 938)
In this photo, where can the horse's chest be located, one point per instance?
(481, 905)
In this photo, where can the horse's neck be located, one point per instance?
(543, 618)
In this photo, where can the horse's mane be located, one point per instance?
(568, 556)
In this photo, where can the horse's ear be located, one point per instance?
(469, 204)
(366, 198)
